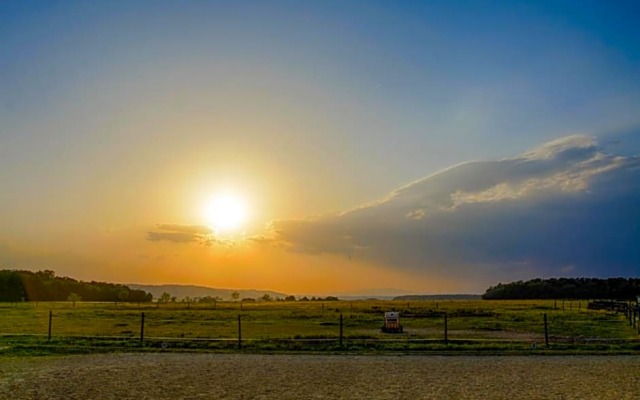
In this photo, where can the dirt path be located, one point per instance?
(217, 376)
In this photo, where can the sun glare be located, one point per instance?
(225, 213)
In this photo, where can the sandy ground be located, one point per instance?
(229, 376)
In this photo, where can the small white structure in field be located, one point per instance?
(392, 322)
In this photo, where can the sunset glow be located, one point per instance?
(226, 213)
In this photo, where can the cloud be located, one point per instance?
(175, 237)
(182, 234)
(264, 240)
(195, 234)
(190, 229)
(567, 202)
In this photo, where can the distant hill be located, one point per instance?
(363, 297)
(363, 294)
(411, 297)
(182, 291)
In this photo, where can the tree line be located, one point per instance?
(567, 288)
(18, 285)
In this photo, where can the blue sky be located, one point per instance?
(119, 116)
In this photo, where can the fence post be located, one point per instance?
(341, 330)
(50, 318)
(142, 329)
(446, 330)
(546, 331)
(239, 334)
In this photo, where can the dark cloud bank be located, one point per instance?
(565, 208)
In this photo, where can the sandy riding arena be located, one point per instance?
(217, 376)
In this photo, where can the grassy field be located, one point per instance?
(476, 325)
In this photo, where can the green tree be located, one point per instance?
(46, 286)
(73, 298)
(123, 295)
(164, 298)
(235, 296)
(11, 286)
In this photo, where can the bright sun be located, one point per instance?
(225, 213)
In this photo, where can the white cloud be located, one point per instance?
(564, 203)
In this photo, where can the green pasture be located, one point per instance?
(471, 324)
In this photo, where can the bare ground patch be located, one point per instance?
(237, 376)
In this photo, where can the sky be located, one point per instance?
(373, 146)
